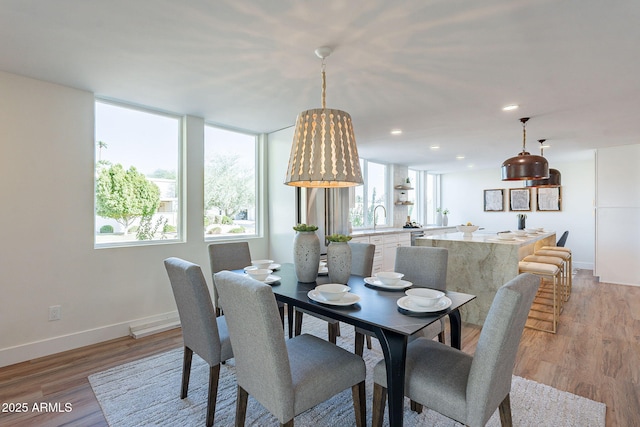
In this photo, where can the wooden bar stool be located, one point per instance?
(565, 254)
(563, 249)
(558, 262)
(555, 248)
(536, 314)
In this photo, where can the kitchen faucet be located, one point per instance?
(374, 215)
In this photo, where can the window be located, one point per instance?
(432, 196)
(137, 195)
(413, 196)
(373, 193)
(230, 183)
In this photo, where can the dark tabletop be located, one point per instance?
(376, 307)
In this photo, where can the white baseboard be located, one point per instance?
(36, 349)
(583, 266)
(154, 325)
(49, 346)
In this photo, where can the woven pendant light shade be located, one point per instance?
(324, 152)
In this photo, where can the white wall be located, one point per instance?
(463, 195)
(47, 256)
(618, 215)
(282, 209)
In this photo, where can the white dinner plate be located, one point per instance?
(406, 303)
(347, 299)
(272, 267)
(510, 239)
(402, 284)
(272, 278)
(505, 235)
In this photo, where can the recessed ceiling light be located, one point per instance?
(460, 157)
(435, 147)
(510, 107)
(396, 131)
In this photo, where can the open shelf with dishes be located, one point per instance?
(402, 198)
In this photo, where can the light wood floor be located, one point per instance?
(595, 354)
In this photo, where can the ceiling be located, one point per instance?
(440, 70)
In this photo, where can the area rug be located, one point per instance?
(147, 393)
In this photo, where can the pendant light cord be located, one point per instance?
(541, 141)
(524, 133)
(324, 87)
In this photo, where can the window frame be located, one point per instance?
(364, 166)
(179, 184)
(436, 202)
(259, 184)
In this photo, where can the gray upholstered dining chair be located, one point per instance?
(203, 332)
(425, 267)
(361, 265)
(286, 377)
(231, 256)
(460, 386)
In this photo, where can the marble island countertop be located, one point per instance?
(489, 237)
(391, 230)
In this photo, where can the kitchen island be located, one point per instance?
(482, 263)
(427, 229)
(387, 240)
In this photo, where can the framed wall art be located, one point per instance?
(548, 199)
(494, 200)
(519, 199)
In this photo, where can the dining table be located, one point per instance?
(377, 310)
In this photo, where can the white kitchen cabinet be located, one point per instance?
(384, 258)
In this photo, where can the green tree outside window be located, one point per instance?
(125, 195)
(228, 185)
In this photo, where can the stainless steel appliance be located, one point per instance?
(414, 235)
(328, 208)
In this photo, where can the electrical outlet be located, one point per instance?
(55, 312)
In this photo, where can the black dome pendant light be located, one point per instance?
(554, 174)
(525, 165)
